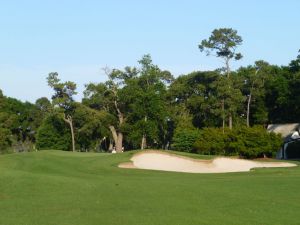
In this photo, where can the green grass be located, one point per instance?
(65, 188)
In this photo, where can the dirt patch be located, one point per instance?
(155, 160)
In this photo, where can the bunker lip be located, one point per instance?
(164, 161)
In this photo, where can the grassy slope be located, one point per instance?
(64, 188)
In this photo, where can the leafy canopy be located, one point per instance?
(222, 43)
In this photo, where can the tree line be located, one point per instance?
(211, 112)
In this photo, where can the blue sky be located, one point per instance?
(78, 38)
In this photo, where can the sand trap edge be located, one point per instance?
(209, 162)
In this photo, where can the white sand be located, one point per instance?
(155, 160)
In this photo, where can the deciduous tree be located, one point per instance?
(63, 99)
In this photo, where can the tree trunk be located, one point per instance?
(228, 75)
(118, 139)
(73, 136)
(144, 140)
(227, 67)
(230, 121)
(118, 135)
(68, 119)
(119, 144)
(223, 115)
(248, 109)
(111, 146)
(114, 134)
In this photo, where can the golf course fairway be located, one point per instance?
(65, 188)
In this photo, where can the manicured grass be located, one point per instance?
(65, 188)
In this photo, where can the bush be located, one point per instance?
(5, 141)
(184, 139)
(53, 134)
(257, 142)
(211, 141)
(248, 142)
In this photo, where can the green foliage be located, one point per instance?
(194, 95)
(249, 142)
(5, 139)
(53, 134)
(144, 105)
(91, 127)
(254, 142)
(148, 112)
(223, 42)
(294, 66)
(211, 141)
(63, 92)
(228, 95)
(21, 121)
(277, 99)
(135, 132)
(63, 101)
(44, 105)
(184, 139)
(135, 101)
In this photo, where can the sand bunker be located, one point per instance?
(155, 160)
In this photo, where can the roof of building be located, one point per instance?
(284, 129)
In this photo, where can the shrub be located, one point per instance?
(257, 142)
(184, 139)
(53, 134)
(211, 141)
(5, 141)
(248, 142)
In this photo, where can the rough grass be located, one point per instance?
(65, 188)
